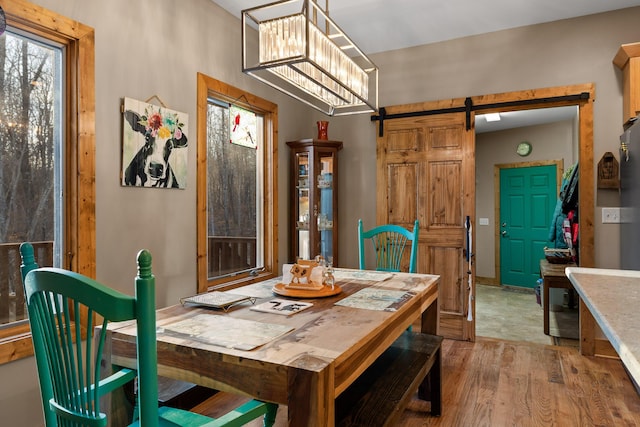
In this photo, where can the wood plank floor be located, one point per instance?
(506, 383)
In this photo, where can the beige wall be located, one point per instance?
(156, 47)
(552, 141)
(555, 54)
(146, 48)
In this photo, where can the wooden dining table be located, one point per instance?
(303, 360)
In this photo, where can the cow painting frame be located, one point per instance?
(154, 146)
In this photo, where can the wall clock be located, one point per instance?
(524, 149)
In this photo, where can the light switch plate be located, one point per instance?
(610, 215)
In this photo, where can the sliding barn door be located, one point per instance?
(426, 170)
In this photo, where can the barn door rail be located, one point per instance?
(468, 107)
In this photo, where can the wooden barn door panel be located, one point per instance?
(426, 171)
(403, 193)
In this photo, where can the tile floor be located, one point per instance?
(514, 315)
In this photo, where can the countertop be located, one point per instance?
(613, 298)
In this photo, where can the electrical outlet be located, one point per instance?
(610, 215)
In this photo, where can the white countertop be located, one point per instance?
(613, 298)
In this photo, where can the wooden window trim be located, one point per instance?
(79, 139)
(210, 87)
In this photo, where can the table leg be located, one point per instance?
(545, 305)
(431, 319)
(587, 330)
(311, 397)
(431, 387)
(114, 404)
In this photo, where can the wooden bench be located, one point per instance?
(380, 395)
(181, 394)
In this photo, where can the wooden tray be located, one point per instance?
(281, 289)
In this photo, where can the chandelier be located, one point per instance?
(294, 46)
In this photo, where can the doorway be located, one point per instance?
(581, 150)
(554, 147)
(580, 96)
(526, 202)
(551, 142)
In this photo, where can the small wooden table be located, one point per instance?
(328, 348)
(553, 276)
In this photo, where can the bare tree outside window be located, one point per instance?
(237, 186)
(233, 219)
(29, 137)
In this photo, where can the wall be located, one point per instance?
(145, 48)
(148, 47)
(551, 141)
(560, 53)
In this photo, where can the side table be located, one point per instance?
(552, 277)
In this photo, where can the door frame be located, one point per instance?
(496, 189)
(537, 98)
(529, 100)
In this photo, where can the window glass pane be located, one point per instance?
(30, 161)
(234, 197)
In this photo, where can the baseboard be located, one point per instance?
(519, 289)
(492, 281)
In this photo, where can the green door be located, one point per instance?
(528, 198)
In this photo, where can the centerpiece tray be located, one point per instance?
(297, 292)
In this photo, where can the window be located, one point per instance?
(30, 160)
(47, 166)
(237, 186)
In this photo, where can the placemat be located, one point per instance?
(225, 331)
(376, 299)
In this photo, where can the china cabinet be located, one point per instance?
(314, 197)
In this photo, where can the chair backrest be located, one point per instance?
(62, 307)
(389, 243)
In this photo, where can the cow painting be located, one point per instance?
(151, 139)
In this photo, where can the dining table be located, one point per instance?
(303, 359)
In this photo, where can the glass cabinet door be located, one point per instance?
(324, 186)
(304, 216)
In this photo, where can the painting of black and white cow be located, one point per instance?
(154, 146)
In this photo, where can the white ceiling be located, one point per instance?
(516, 119)
(382, 25)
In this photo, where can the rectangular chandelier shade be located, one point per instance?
(295, 47)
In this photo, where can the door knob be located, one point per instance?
(504, 224)
(504, 233)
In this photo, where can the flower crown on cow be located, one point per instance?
(161, 125)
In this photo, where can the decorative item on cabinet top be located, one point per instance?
(323, 130)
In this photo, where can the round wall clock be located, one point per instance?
(524, 149)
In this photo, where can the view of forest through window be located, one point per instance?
(27, 139)
(30, 111)
(234, 188)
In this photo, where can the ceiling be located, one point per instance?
(382, 25)
(516, 119)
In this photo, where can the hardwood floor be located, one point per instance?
(506, 383)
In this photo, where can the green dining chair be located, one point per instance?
(62, 306)
(389, 242)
